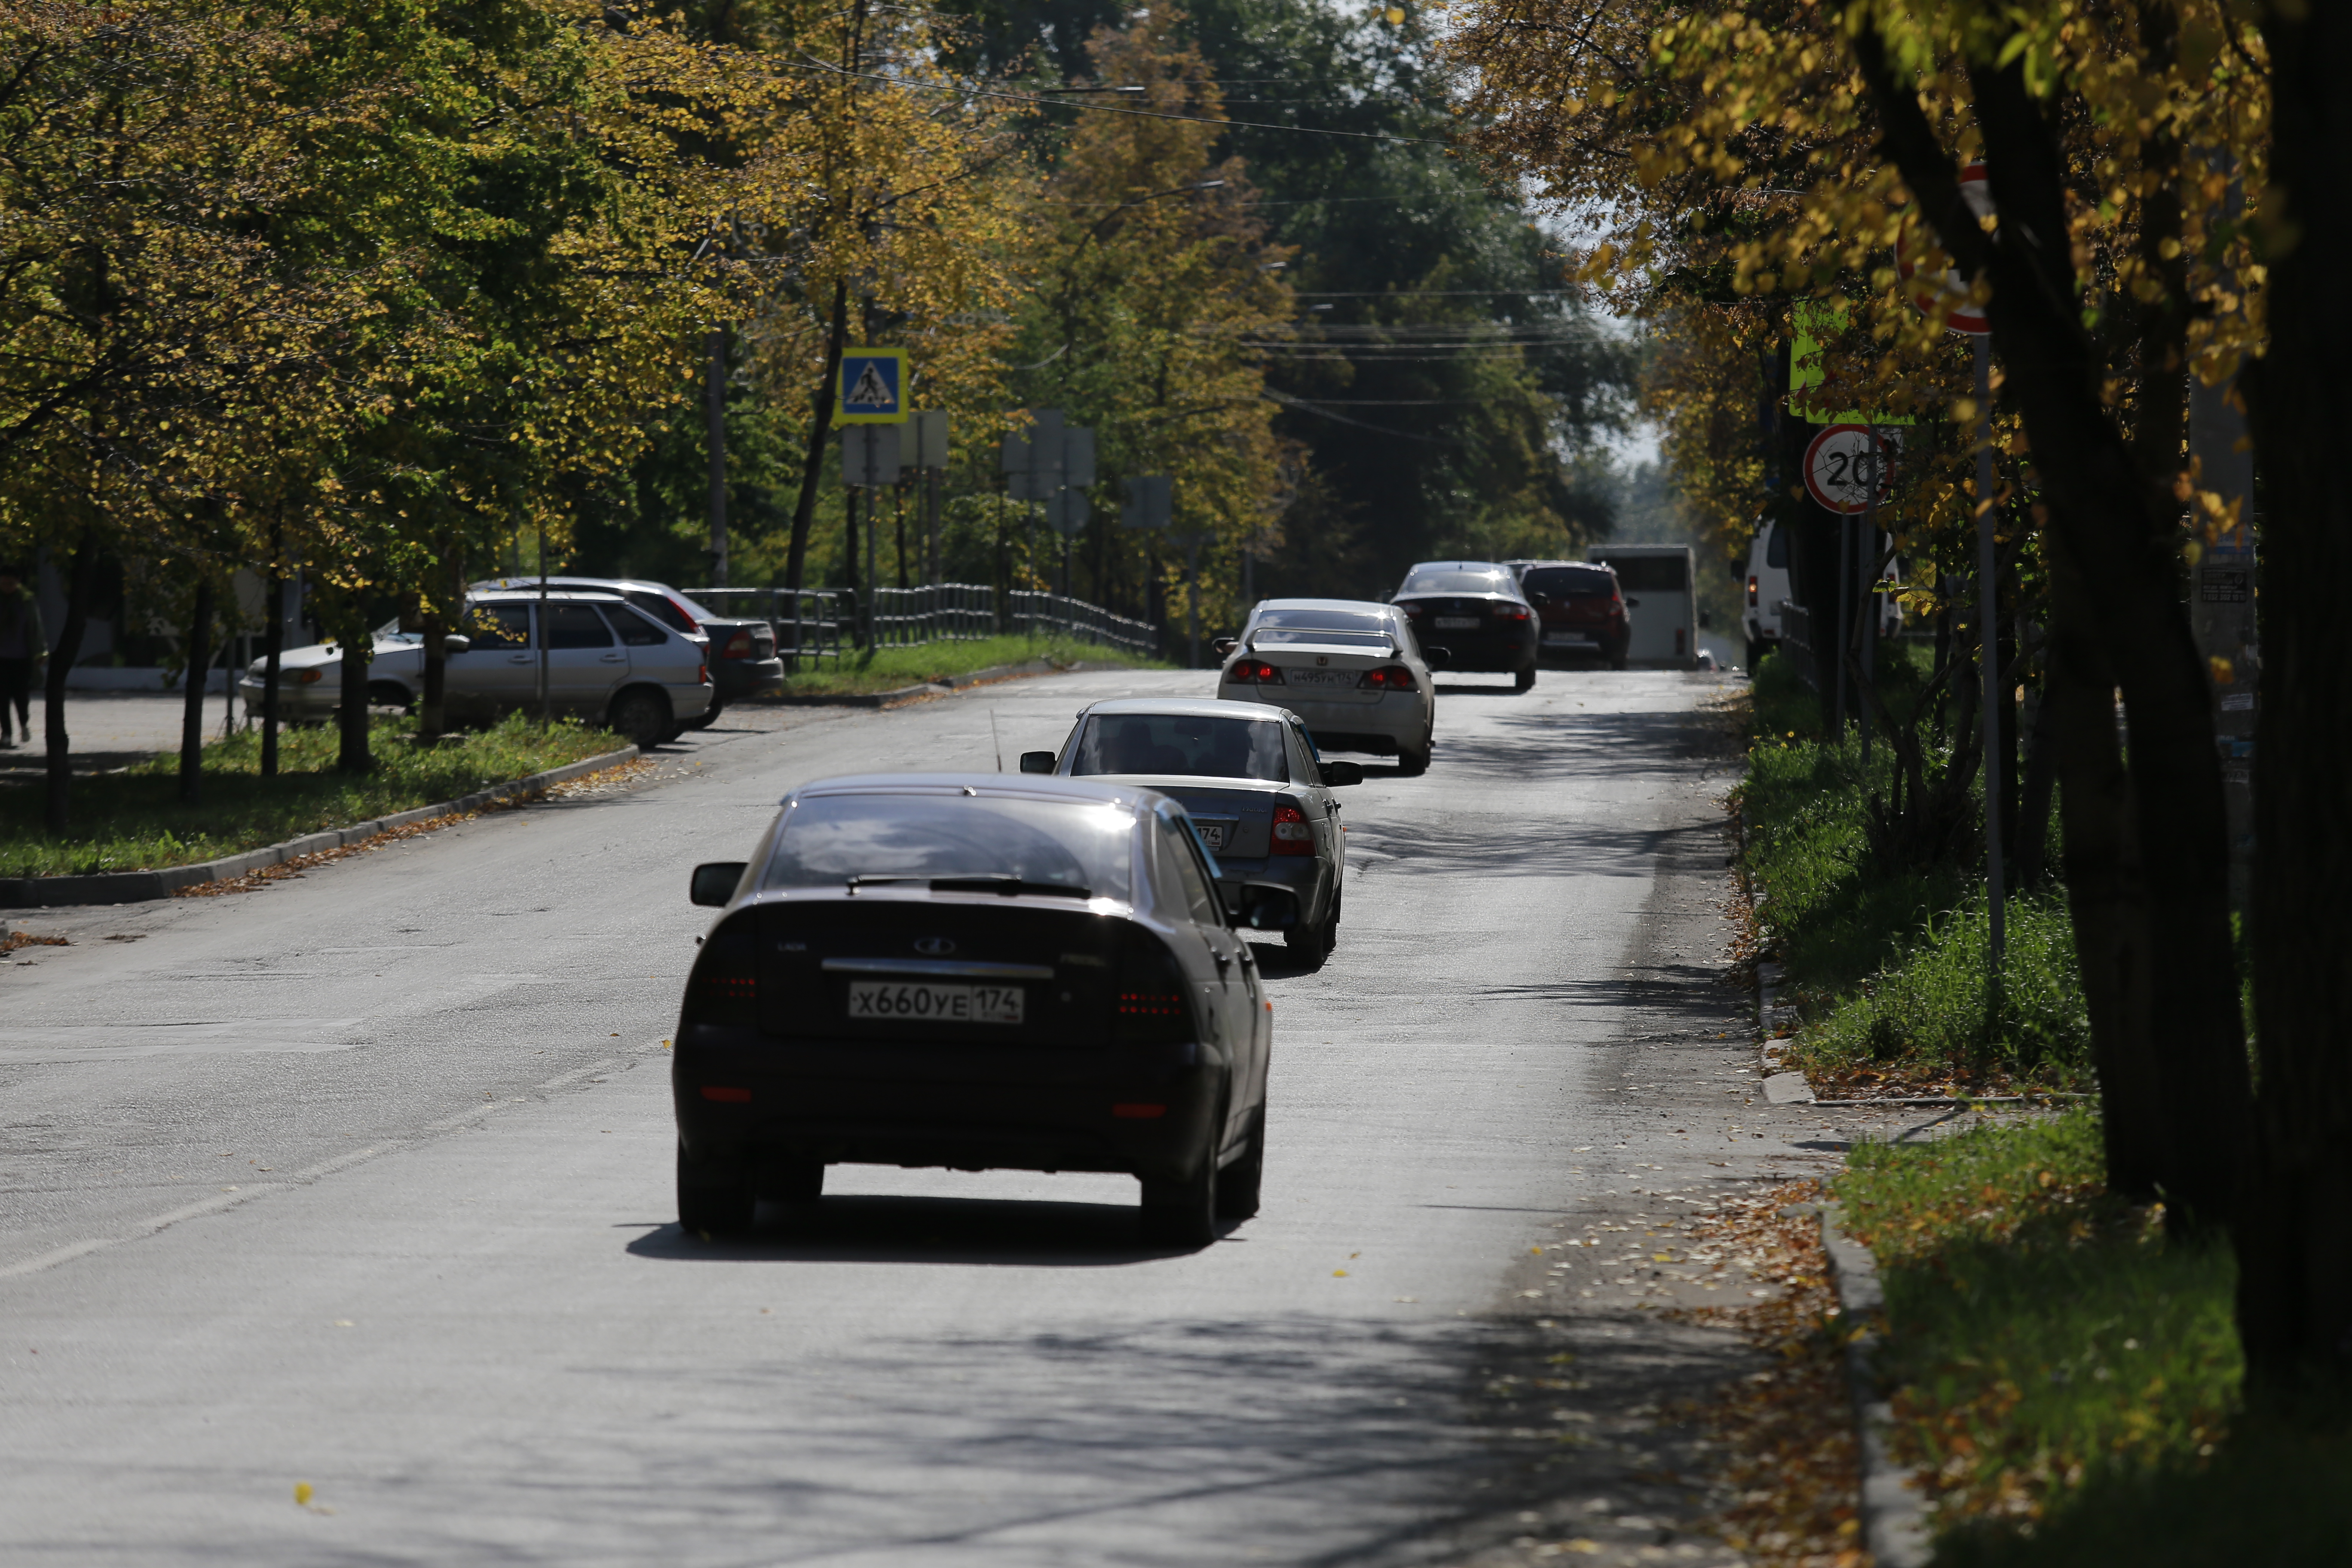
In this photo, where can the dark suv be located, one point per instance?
(1580, 608)
(741, 653)
(1475, 611)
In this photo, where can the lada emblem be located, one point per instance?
(934, 946)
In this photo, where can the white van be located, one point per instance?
(1661, 600)
(1768, 585)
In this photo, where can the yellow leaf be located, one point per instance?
(303, 1494)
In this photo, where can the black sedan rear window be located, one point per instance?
(1076, 845)
(1181, 743)
(1562, 582)
(1449, 581)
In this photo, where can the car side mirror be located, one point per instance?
(1266, 906)
(1438, 658)
(1037, 761)
(453, 643)
(715, 882)
(1225, 646)
(1337, 775)
(1706, 621)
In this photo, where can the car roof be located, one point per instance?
(531, 596)
(997, 786)
(1371, 605)
(1456, 567)
(1588, 565)
(1191, 707)
(514, 584)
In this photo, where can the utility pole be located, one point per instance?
(715, 423)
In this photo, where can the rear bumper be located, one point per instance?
(870, 1103)
(321, 701)
(735, 678)
(1394, 718)
(1305, 875)
(1481, 652)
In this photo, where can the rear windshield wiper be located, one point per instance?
(1006, 883)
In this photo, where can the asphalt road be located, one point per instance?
(362, 1181)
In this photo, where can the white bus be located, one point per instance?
(1661, 600)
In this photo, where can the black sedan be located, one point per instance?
(980, 973)
(1475, 611)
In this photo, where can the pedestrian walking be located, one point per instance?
(22, 647)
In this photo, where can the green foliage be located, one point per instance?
(134, 821)
(2043, 1334)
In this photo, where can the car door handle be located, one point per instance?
(1224, 959)
(520, 657)
(613, 658)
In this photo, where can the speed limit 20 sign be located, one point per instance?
(1850, 468)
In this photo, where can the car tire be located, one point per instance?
(1310, 943)
(1238, 1184)
(1757, 648)
(641, 715)
(391, 695)
(1617, 657)
(1524, 680)
(1331, 923)
(1414, 763)
(713, 1200)
(704, 720)
(1184, 1213)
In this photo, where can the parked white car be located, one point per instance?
(605, 663)
(1769, 585)
(1348, 668)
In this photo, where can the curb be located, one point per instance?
(946, 686)
(138, 887)
(1894, 1521)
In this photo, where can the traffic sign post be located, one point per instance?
(1053, 465)
(873, 387)
(1849, 469)
(924, 449)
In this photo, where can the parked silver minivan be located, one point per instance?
(605, 663)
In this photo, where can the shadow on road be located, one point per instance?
(862, 1229)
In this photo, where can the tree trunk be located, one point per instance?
(79, 579)
(273, 657)
(354, 756)
(2106, 891)
(2101, 520)
(2294, 1234)
(191, 708)
(820, 436)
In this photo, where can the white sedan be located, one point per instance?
(1348, 668)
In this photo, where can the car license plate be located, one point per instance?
(1213, 834)
(1456, 623)
(903, 1001)
(1567, 640)
(1320, 676)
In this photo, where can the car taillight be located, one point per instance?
(1510, 612)
(1416, 609)
(723, 994)
(309, 677)
(702, 675)
(1255, 672)
(1149, 1004)
(1293, 835)
(739, 645)
(1751, 589)
(1388, 678)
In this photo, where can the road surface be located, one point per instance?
(363, 1182)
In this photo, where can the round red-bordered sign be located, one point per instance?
(1945, 294)
(1842, 461)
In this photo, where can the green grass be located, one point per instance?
(886, 669)
(1886, 963)
(2048, 1342)
(133, 820)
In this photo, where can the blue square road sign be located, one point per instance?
(873, 389)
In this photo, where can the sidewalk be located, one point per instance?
(108, 730)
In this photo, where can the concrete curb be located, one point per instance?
(946, 686)
(1894, 1521)
(137, 886)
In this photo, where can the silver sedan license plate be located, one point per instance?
(1213, 834)
(918, 1001)
(1456, 623)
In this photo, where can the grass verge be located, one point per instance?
(134, 821)
(1886, 962)
(886, 669)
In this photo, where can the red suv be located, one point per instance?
(1580, 608)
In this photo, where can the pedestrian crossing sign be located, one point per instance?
(873, 387)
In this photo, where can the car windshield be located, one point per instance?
(694, 608)
(1347, 628)
(390, 632)
(1452, 582)
(1563, 581)
(1181, 743)
(1084, 847)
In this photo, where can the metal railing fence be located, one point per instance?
(824, 623)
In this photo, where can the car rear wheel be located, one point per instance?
(703, 720)
(1414, 763)
(1524, 680)
(641, 715)
(792, 1181)
(1184, 1213)
(1617, 657)
(390, 696)
(1238, 1184)
(713, 1200)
